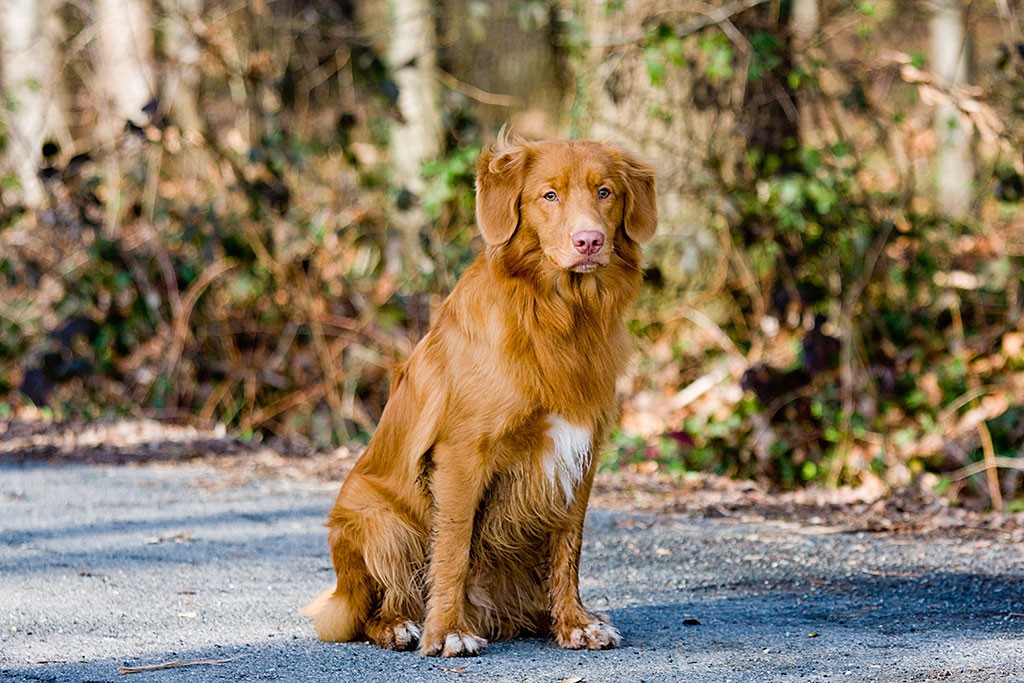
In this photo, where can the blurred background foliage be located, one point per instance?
(246, 212)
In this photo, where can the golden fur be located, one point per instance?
(463, 519)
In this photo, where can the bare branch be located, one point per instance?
(710, 16)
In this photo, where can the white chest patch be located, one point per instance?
(569, 456)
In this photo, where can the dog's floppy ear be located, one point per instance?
(499, 184)
(640, 216)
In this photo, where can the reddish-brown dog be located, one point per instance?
(463, 519)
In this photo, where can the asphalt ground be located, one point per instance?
(147, 565)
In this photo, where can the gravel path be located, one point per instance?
(109, 566)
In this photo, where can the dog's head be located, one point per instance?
(582, 203)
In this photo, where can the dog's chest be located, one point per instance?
(566, 457)
(534, 493)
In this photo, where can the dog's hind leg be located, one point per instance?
(395, 558)
(340, 614)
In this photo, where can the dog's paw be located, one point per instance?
(454, 644)
(597, 635)
(399, 634)
(404, 635)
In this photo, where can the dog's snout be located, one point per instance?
(588, 242)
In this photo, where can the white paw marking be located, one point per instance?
(602, 633)
(569, 456)
(462, 645)
(407, 633)
(597, 635)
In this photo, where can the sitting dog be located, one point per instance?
(463, 518)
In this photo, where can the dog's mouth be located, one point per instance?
(588, 264)
(578, 263)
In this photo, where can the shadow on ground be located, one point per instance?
(947, 626)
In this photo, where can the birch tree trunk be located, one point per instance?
(28, 83)
(418, 137)
(123, 83)
(804, 19)
(124, 69)
(954, 160)
(412, 55)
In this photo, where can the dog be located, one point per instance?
(462, 521)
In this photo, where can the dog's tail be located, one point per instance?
(338, 617)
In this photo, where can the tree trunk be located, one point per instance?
(124, 82)
(412, 56)
(954, 160)
(804, 21)
(28, 81)
(418, 137)
(124, 71)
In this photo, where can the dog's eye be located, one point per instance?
(550, 196)
(604, 193)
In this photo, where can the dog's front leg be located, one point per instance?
(573, 626)
(457, 484)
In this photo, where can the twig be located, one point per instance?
(475, 93)
(177, 664)
(847, 376)
(989, 464)
(949, 412)
(711, 16)
(992, 463)
(702, 385)
(328, 359)
(708, 325)
(1008, 18)
(306, 395)
(183, 308)
(897, 575)
(991, 475)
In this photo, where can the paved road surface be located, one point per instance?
(103, 567)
